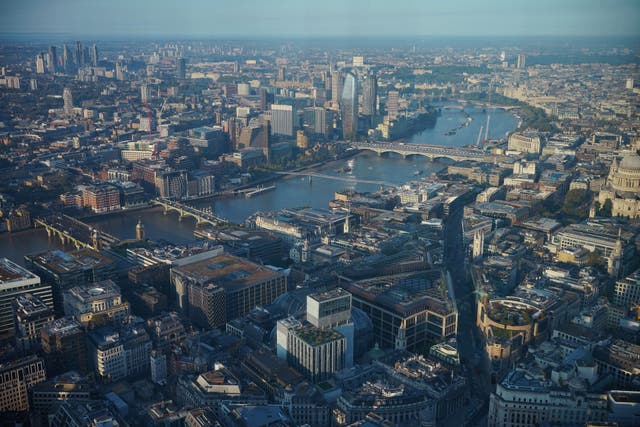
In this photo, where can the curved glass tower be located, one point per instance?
(349, 107)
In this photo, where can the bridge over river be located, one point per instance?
(431, 151)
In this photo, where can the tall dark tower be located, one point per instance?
(79, 55)
(266, 99)
(53, 59)
(181, 68)
(369, 96)
(67, 61)
(94, 55)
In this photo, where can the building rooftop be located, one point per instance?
(96, 291)
(63, 262)
(406, 295)
(329, 295)
(316, 336)
(10, 272)
(625, 396)
(522, 381)
(29, 305)
(228, 271)
(64, 326)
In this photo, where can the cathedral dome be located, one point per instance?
(626, 177)
(631, 163)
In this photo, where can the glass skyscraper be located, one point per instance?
(349, 107)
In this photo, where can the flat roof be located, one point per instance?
(228, 271)
(10, 272)
(316, 336)
(329, 295)
(64, 262)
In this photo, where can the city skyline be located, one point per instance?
(197, 18)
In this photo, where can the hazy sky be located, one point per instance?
(314, 18)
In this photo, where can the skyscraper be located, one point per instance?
(68, 102)
(369, 95)
(94, 55)
(53, 59)
(145, 93)
(282, 119)
(522, 61)
(349, 107)
(79, 55)
(181, 68)
(336, 87)
(40, 63)
(393, 104)
(67, 61)
(266, 99)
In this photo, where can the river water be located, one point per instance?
(291, 191)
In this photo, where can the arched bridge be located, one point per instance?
(430, 151)
(201, 217)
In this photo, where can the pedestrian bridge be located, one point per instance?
(431, 151)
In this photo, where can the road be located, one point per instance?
(470, 346)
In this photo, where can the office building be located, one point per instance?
(52, 66)
(522, 399)
(63, 346)
(322, 344)
(315, 121)
(349, 108)
(31, 314)
(68, 269)
(626, 292)
(521, 63)
(316, 353)
(407, 312)
(211, 388)
(393, 106)
(266, 99)
(67, 99)
(14, 282)
(86, 413)
(620, 359)
(117, 354)
(181, 68)
(282, 118)
(16, 380)
(79, 55)
(40, 65)
(336, 87)
(369, 98)
(94, 55)
(158, 365)
(48, 395)
(530, 142)
(67, 59)
(96, 304)
(224, 287)
(145, 93)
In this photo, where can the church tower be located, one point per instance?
(140, 230)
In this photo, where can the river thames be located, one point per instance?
(293, 191)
